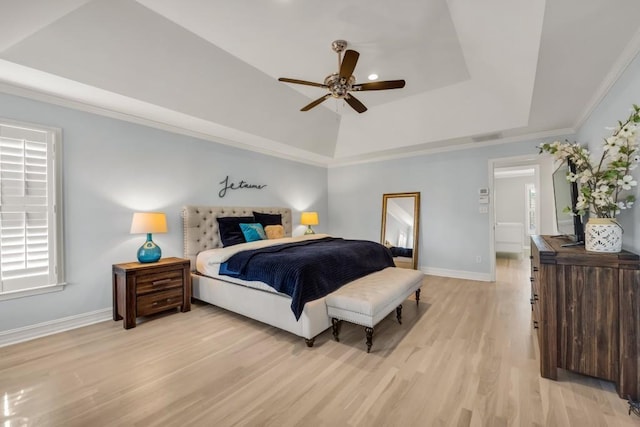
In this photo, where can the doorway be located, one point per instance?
(515, 213)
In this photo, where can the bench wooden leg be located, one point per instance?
(336, 323)
(417, 296)
(399, 313)
(309, 341)
(369, 332)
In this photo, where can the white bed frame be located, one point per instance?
(201, 233)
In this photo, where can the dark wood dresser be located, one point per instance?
(144, 289)
(586, 310)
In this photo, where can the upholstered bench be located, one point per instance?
(368, 300)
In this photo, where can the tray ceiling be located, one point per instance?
(476, 72)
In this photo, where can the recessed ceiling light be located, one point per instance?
(372, 76)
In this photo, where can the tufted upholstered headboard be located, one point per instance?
(201, 227)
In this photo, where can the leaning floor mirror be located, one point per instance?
(400, 217)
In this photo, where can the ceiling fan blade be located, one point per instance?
(314, 103)
(355, 104)
(348, 63)
(388, 84)
(302, 82)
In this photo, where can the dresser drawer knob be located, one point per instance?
(535, 268)
(535, 324)
(531, 279)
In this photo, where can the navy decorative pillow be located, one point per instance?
(267, 219)
(230, 232)
(253, 232)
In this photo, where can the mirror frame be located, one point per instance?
(416, 220)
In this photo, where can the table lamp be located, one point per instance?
(309, 219)
(149, 222)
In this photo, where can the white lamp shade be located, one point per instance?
(149, 222)
(309, 218)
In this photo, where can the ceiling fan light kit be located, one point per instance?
(343, 82)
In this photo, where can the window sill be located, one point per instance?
(31, 292)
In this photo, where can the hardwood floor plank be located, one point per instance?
(465, 356)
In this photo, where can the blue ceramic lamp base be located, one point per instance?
(149, 252)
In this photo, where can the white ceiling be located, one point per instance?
(476, 72)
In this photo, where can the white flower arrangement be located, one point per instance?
(603, 184)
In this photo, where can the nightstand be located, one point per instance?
(144, 289)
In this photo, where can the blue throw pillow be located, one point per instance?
(253, 232)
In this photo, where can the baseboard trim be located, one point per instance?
(26, 333)
(456, 274)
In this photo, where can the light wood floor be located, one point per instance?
(465, 356)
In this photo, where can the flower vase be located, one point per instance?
(603, 235)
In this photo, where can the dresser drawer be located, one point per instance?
(159, 301)
(159, 281)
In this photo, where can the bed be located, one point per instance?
(251, 299)
(402, 257)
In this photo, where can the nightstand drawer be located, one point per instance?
(159, 281)
(159, 301)
(141, 289)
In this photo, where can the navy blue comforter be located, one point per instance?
(310, 269)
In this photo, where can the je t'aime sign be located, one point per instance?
(242, 185)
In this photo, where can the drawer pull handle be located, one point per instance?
(535, 297)
(166, 301)
(531, 279)
(535, 324)
(160, 282)
(535, 268)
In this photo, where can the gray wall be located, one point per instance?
(510, 201)
(510, 198)
(113, 168)
(452, 233)
(616, 106)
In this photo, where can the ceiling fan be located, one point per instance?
(342, 83)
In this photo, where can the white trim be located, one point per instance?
(50, 207)
(384, 156)
(31, 292)
(524, 160)
(456, 274)
(536, 187)
(286, 152)
(301, 155)
(26, 333)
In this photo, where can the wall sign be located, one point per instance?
(242, 185)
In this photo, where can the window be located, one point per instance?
(530, 208)
(30, 215)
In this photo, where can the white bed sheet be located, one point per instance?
(208, 262)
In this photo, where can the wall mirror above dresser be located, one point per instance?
(400, 219)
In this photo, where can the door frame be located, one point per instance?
(526, 160)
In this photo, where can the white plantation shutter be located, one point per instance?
(28, 218)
